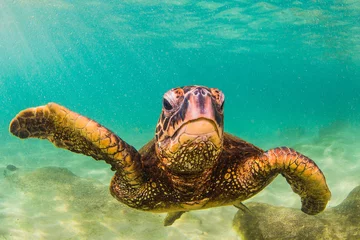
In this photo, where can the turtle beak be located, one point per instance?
(201, 105)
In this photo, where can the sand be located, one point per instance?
(56, 194)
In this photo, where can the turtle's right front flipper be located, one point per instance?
(69, 130)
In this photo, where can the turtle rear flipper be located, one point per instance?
(71, 131)
(242, 207)
(171, 217)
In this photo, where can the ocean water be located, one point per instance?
(290, 72)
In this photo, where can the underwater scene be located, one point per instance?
(290, 74)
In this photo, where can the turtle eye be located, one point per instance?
(222, 105)
(218, 95)
(167, 105)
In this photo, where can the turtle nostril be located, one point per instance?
(200, 90)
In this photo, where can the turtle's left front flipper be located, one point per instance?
(69, 130)
(303, 175)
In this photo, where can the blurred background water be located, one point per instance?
(290, 71)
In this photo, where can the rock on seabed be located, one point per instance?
(269, 222)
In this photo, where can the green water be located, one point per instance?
(290, 72)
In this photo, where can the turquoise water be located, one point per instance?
(290, 72)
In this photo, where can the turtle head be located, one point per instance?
(189, 134)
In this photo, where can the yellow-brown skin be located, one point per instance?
(191, 164)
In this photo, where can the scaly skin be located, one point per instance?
(191, 164)
(304, 177)
(71, 131)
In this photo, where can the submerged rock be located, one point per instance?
(60, 205)
(11, 167)
(54, 203)
(269, 222)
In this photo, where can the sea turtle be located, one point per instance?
(190, 164)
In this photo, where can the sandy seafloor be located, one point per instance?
(289, 70)
(53, 204)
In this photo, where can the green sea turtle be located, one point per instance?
(190, 164)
